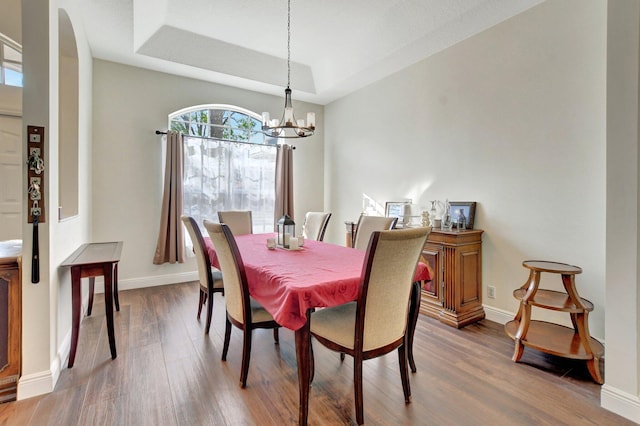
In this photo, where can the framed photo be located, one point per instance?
(396, 209)
(467, 208)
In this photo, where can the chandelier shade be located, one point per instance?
(288, 127)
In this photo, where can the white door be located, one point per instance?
(10, 177)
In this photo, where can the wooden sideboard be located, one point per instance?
(454, 295)
(10, 318)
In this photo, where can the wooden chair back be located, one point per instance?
(199, 248)
(315, 225)
(239, 221)
(388, 273)
(367, 225)
(236, 288)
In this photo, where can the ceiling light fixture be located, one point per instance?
(288, 127)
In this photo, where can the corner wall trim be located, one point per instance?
(621, 403)
(35, 384)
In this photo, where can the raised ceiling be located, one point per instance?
(337, 46)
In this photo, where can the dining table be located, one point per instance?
(291, 284)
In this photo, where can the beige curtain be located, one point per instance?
(284, 182)
(170, 247)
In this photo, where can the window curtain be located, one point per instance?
(284, 183)
(170, 247)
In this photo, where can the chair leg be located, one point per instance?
(276, 335)
(404, 373)
(209, 313)
(312, 363)
(227, 337)
(201, 301)
(357, 384)
(246, 356)
(341, 356)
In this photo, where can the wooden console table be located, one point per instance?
(89, 261)
(555, 339)
(454, 294)
(10, 318)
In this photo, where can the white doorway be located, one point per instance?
(10, 177)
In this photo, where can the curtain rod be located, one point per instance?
(158, 132)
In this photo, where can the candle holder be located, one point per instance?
(286, 230)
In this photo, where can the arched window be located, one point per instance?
(228, 163)
(10, 62)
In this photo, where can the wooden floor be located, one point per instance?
(169, 373)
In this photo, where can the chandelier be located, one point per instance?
(288, 126)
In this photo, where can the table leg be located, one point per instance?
(108, 306)
(414, 310)
(92, 282)
(303, 342)
(115, 287)
(76, 300)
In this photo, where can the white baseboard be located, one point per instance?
(497, 315)
(621, 403)
(35, 384)
(133, 283)
(45, 381)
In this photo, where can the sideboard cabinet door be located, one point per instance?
(454, 295)
(10, 328)
(432, 290)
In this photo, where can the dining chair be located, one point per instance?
(315, 225)
(367, 225)
(376, 323)
(210, 278)
(239, 221)
(242, 310)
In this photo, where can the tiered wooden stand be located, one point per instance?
(555, 339)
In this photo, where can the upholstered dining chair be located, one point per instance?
(242, 310)
(315, 225)
(376, 323)
(210, 277)
(239, 221)
(367, 225)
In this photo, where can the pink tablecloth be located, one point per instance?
(288, 283)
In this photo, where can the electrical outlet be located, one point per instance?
(491, 292)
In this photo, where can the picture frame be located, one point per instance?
(396, 209)
(468, 208)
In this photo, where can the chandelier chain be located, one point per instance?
(288, 127)
(289, 43)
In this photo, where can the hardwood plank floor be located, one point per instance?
(169, 373)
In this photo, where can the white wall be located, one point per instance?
(512, 118)
(129, 105)
(622, 363)
(46, 306)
